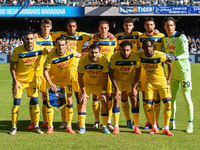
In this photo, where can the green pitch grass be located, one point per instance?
(93, 138)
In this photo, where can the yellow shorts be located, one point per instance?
(93, 88)
(41, 83)
(143, 79)
(73, 74)
(109, 86)
(123, 86)
(75, 86)
(161, 88)
(31, 88)
(64, 83)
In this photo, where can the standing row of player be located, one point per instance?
(60, 69)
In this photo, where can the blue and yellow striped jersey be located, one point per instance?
(27, 61)
(57, 65)
(124, 68)
(153, 66)
(107, 47)
(156, 38)
(133, 38)
(93, 70)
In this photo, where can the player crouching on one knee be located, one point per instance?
(156, 82)
(93, 78)
(122, 71)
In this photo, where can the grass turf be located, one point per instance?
(93, 138)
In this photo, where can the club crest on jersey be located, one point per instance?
(132, 63)
(77, 38)
(110, 43)
(155, 61)
(68, 57)
(36, 53)
(156, 40)
(99, 67)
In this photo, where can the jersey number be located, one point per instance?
(69, 87)
(186, 84)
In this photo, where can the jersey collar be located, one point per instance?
(127, 34)
(148, 36)
(103, 38)
(58, 54)
(173, 34)
(71, 35)
(43, 37)
(149, 56)
(91, 60)
(27, 49)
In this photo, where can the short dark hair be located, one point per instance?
(128, 20)
(46, 21)
(71, 20)
(103, 22)
(145, 42)
(27, 33)
(126, 43)
(94, 46)
(60, 38)
(169, 19)
(149, 19)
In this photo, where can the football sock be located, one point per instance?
(50, 113)
(157, 109)
(173, 103)
(96, 108)
(15, 111)
(189, 104)
(82, 117)
(125, 108)
(145, 109)
(44, 113)
(167, 112)
(69, 114)
(116, 112)
(35, 110)
(109, 109)
(63, 116)
(30, 111)
(135, 113)
(150, 112)
(104, 118)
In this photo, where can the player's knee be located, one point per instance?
(17, 101)
(34, 101)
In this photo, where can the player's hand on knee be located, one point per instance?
(83, 97)
(53, 87)
(15, 87)
(117, 94)
(104, 97)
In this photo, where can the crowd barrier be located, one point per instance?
(194, 58)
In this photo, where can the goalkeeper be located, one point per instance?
(176, 45)
(57, 74)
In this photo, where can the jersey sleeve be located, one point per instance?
(81, 68)
(47, 64)
(14, 57)
(44, 51)
(139, 43)
(91, 42)
(105, 66)
(184, 47)
(112, 63)
(138, 63)
(116, 36)
(56, 34)
(86, 36)
(163, 57)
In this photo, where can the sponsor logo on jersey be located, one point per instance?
(126, 68)
(148, 66)
(105, 49)
(29, 60)
(73, 44)
(170, 47)
(94, 71)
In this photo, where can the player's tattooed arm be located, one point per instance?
(169, 65)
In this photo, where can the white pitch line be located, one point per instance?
(6, 80)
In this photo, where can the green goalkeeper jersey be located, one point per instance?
(177, 45)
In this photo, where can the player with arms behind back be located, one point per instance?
(176, 45)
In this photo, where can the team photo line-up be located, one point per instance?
(112, 68)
